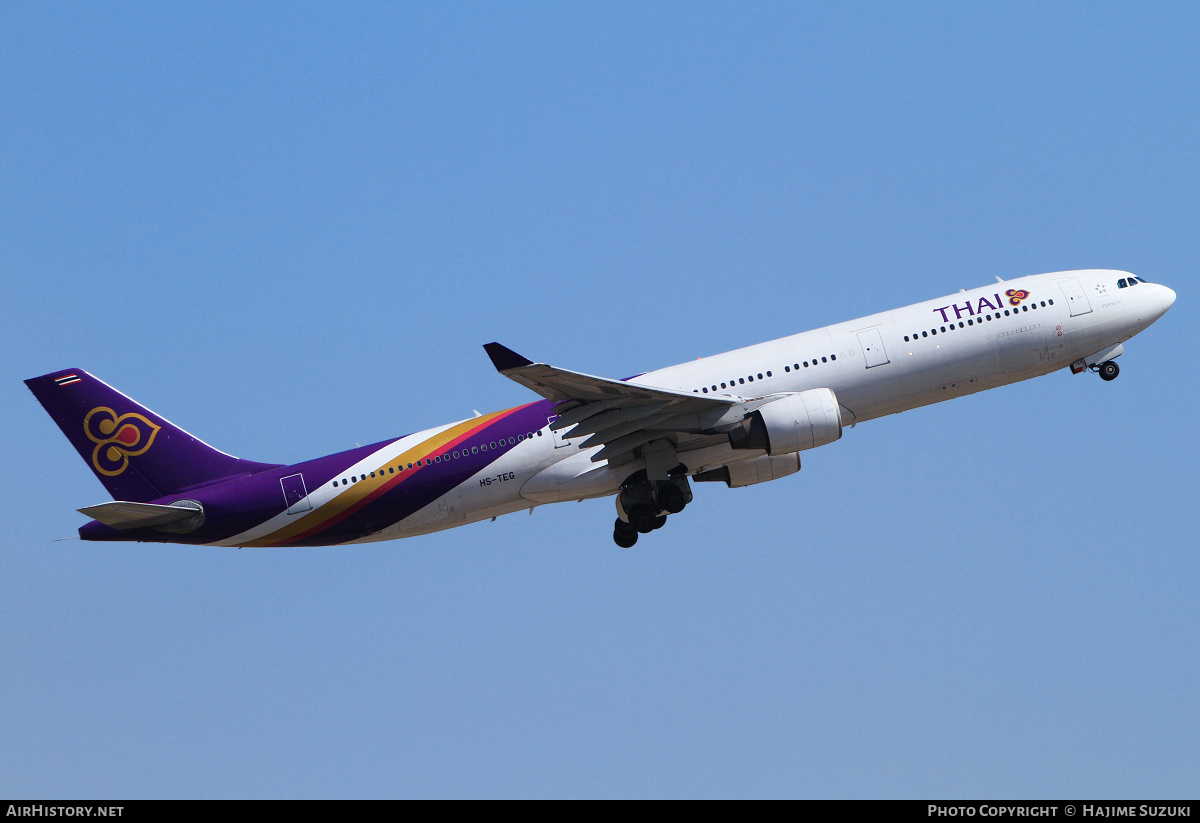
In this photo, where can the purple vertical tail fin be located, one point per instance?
(137, 455)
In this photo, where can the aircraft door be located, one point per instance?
(1077, 298)
(295, 495)
(872, 348)
(560, 438)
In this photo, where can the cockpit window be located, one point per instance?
(1121, 283)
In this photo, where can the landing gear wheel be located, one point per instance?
(671, 498)
(643, 518)
(1109, 370)
(625, 539)
(660, 521)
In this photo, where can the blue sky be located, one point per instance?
(289, 227)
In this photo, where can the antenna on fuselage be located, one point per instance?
(998, 280)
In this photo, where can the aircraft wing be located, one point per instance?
(617, 414)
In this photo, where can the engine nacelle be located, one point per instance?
(755, 470)
(793, 423)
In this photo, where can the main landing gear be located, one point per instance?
(1108, 370)
(642, 509)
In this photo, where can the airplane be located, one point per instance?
(741, 418)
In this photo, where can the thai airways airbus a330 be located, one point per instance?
(741, 418)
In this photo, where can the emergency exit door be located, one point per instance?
(872, 348)
(294, 494)
(1077, 298)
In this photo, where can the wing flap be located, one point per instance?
(608, 435)
(606, 420)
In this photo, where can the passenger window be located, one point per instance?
(823, 360)
(742, 380)
(833, 357)
(760, 377)
(906, 338)
(706, 391)
(768, 374)
(806, 364)
(924, 334)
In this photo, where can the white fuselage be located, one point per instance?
(876, 365)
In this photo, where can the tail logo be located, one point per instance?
(117, 438)
(1015, 296)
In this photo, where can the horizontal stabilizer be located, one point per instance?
(120, 514)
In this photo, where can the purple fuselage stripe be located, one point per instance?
(237, 505)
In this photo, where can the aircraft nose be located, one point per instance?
(1167, 299)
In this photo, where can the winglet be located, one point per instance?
(504, 358)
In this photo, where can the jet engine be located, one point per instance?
(755, 470)
(793, 423)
